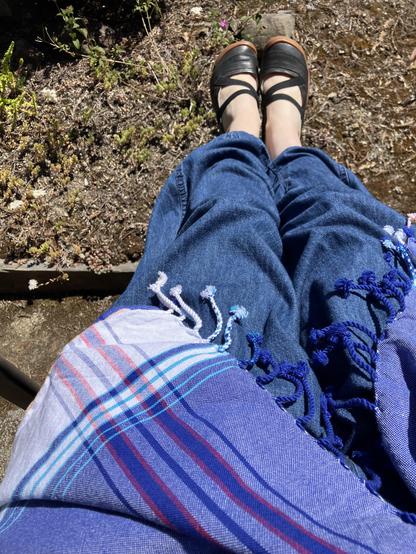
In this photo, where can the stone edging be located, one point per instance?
(30, 281)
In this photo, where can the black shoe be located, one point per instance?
(239, 57)
(286, 56)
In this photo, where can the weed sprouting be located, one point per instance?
(14, 99)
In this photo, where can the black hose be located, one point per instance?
(16, 386)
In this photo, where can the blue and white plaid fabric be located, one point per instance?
(146, 438)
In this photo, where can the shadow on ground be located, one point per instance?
(30, 23)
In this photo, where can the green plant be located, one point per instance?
(142, 152)
(74, 29)
(54, 141)
(40, 251)
(166, 75)
(86, 115)
(140, 156)
(189, 67)
(148, 10)
(190, 121)
(221, 33)
(13, 97)
(142, 69)
(103, 66)
(74, 40)
(146, 135)
(124, 137)
(39, 153)
(73, 197)
(9, 184)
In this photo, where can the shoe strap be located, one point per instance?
(291, 82)
(227, 81)
(271, 96)
(289, 99)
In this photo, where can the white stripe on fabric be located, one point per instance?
(170, 369)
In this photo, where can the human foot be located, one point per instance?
(285, 80)
(242, 113)
(234, 88)
(283, 121)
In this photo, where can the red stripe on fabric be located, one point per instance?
(145, 497)
(228, 467)
(232, 496)
(194, 523)
(148, 499)
(169, 493)
(262, 500)
(92, 329)
(114, 366)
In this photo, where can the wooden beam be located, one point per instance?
(34, 281)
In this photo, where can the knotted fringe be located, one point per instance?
(331, 441)
(394, 285)
(336, 335)
(237, 313)
(388, 293)
(373, 481)
(329, 407)
(208, 294)
(255, 341)
(163, 299)
(297, 374)
(176, 293)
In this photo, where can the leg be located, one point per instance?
(285, 84)
(223, 231)
(241, 114)
(283, 126)
(330, 224)
(331, 227)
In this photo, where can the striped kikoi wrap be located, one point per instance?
(147, 438)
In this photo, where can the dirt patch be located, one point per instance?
(79, 175)
(31, 336)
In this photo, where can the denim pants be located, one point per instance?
(272, 236)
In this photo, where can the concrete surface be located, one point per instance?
(31, 336)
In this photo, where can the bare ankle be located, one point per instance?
(284, 124)
(242, 113)
(278, 137)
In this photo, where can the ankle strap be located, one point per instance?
(226, 82)
(271, 96)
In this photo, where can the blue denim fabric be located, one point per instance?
(273, 236)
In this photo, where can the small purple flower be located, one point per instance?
(224, 24)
